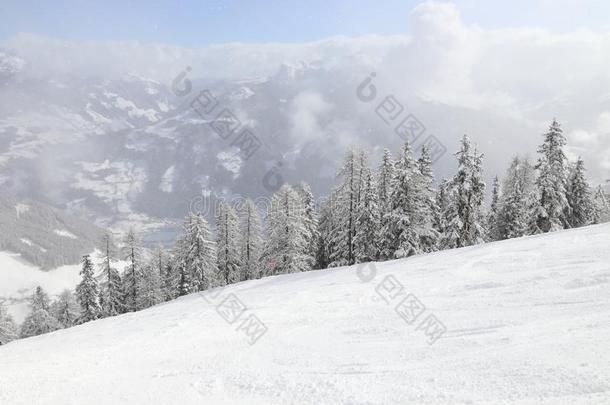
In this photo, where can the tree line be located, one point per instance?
(393, 211)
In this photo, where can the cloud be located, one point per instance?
(307, 110)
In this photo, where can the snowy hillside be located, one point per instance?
(527, 322)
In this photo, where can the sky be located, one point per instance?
(202, 22)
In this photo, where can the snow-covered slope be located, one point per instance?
(527, 320)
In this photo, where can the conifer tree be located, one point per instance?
(368, 222)
(601, 207)
(493, 232)
(466, 197)
(286, 249)
(87, 293)
(66, 309)
(227, 237)
(385, 175)
(132, 253)
(149, 290)
(251, 242)
(326, 230)
(552, 181)
(311, 220)
(196, 256)
(8, 328)
(111, 288)
(429, 236)
(582, 210)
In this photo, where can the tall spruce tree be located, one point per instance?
(8, 328)
(466, 195)
(196, 256)
(601, 206)
(385, 175)
(552, 181)
(429, 236)
(287, 248)
(493, 232)
(311, 220)
(39, 320)
(580, 201)
(87, 293)
(368, 222)
(227, 242)
(111, 288)
(132, 253)
(251, 244)
(66, 309)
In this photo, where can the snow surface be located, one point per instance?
(527, 319)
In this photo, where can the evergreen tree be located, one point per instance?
(227, 236)
(368, 222)
(169, 279)
(66, 309)
(580, 201)
(251, 242)
(111, 288)
(346, 199)
(552, 181)
(196, 256)
(601, 207)
(87, 293)
(326, 230)
(149, 290)
(8, 328)
(39, 320)
(429, 236)
(287, 248)
(493, 232)
(405, 217)
(442, 208)
(132, 253)
(311, 220)
(466, 197)
(384, 184)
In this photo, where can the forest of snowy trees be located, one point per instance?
(392, 211)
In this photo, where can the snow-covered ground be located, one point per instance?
(528, 322)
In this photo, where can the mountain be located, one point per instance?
(526, 323)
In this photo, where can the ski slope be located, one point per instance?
(528, 322)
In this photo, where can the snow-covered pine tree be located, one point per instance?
(552, 181)
(346, 200)
(170, 279)
(39, 320)
(513, 217)
(466, 196)
(87, 293)
(442, 206)
(429, 236)
(149, 289)
(385, 175)
(132, 253)
(251, 243)
(286, 248)
(66, 309)
(404, 218)
(196, 256)
(111, 288)
(326, 229)
(601, 206)
(368, 221)
(227, 245)
(311, 220)
(579, 197)
(492, 228)
(8, 328)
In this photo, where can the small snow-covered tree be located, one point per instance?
(552, 181)
(326, 229)
(286, 247)
(8, 328)
(442, 206)
(227, 245)
(66, 309)
(39, 320)
(466, 196)
(87, 293)
(111, 287)
(132, 253)
(196, 256)
(601, 207)
(169, 276)
(368, 222)
(580, 201)
(251, 244)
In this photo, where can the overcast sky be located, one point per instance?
(498, 70)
